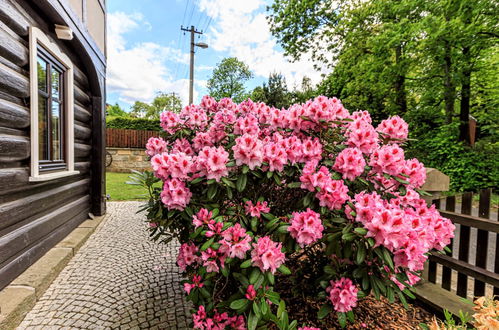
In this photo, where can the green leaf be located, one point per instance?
(256, 309)
(284, 270)
(196, 180)
(246, 264)
(254, 276)
(239, 303)
(281, 309)
(361, 253)
(274, 297)
(403, 300)
(241, 278)
(348, 237)
(212, 191)
(351, 316)
(307, 199)
(342, 319)
(324, 311)
(241, 182)
(270, 277)
(245, 169)
(388, 258)
(360, 231)
(207, 244)
(228, 182)
(283, 229)
(252, 321)
(294, 185)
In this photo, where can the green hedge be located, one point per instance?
(133, 123)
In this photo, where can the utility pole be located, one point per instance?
(193, 31)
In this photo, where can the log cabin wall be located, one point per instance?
(34, 216)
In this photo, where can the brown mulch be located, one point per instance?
(369, 314)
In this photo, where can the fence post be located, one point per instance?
(482, 239)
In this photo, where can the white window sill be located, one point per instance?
(52, 176)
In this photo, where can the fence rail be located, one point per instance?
(484, 271)
(128, 138)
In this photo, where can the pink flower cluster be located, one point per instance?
(405, 225)
(175, 194)
(267, 254)
(203, 217)
(332, 193)
(361, 134)
(394, 128)
(257, 209)
(235, 242)
(388, 159)
(220, 321)
(187, 255)
(248, 151)
(212, 163)
(196, 283)
(306, 227)
(155, 146)
(343, 295)
(350, 162)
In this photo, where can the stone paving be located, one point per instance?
(118, 280)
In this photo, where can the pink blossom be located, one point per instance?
(416, 172)
(250, 292)
(350, 162)
(343, 295)
(333, 194)
(203, 217)
(212, 259)
(175, 194)
(182, 145)
(275, 156)
(179, 165)
(306, 227)
(199, 317)
(311, 149)
(212, 163)
(247, 125)
(248, 150)
(362, 135)
(394, 128)
(257, 209)
(170, 121)
(194, 116)
(155, 146)
(202, 139)
(267, 255)
(196, 284)
(187, 255)
(208, 103)
(214, 229)
(388, 159)
(235, 242)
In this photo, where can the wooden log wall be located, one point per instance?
(35, 216)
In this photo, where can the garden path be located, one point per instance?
(118, 279)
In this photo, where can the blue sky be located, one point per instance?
(147, 52)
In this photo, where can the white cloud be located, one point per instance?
(137, 72)
(240, 29)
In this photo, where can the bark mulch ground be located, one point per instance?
(369, 314)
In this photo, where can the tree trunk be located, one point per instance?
(400, 94)
(449, 87)
(465, 97)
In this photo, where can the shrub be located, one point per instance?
(133, 123)
(310, 196)
(469, 168)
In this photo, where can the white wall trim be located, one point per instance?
(36, 36)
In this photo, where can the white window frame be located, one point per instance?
(37, 37)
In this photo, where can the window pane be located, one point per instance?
(56, 131)
(42, 74)
(42, 128)
(55, 83)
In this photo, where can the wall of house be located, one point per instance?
(127, 159)
(35, 216)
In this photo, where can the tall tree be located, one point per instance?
(162, 102)
(228, 79)
(116, 111)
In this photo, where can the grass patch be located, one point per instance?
(118, 190)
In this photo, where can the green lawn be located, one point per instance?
(118, 190)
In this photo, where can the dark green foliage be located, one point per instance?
(133, 123)
(469, 168)
(228, 80)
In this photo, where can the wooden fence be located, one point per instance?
(128, 138)
(475, 256)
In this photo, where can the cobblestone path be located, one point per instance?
(118, 280)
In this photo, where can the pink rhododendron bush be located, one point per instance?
(311, 195)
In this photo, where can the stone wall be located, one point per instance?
(127, 159)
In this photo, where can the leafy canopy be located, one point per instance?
(228, 79)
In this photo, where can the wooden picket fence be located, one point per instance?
(128, 138)
(472, 269)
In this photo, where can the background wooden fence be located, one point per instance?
(128, 138)
(472, 269)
